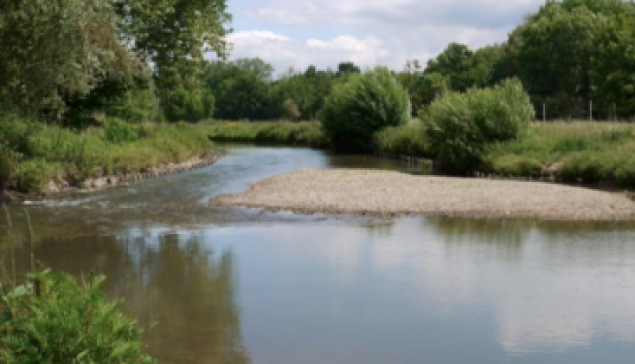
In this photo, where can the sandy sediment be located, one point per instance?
(393, 193)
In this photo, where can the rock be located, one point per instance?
(100, 182)
(52, 188)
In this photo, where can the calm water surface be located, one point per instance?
(245, 286)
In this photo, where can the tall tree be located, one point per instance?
(556, 47)
(52, 50)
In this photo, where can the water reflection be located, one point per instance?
(177, 281)
(324, 289)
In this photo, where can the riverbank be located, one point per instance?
(305, 133)
(46, 160)
(578, 152)
(392, 193)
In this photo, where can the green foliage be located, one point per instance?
(8, 165)
(291, 111)
(517, 166)
(613, 66)
(240, 93)
(586, 167)
(32, 175)
(459, 127)
(68, 47)
(54, 319)
(361, 106)
(189, 105)
(302, 133)
(118, 131)
(135, 105)
(407, 139)
(585, 152)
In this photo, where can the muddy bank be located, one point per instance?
(62, 186)
(392, 193)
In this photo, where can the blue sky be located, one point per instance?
(297, 33)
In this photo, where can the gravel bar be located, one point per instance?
(385, 193)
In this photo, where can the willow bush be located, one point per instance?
(54, 319)
(460, 126)
(362, 106)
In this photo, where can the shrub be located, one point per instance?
(517, 166)
(54, 319)
(587, 167)
(117, 131)
(407, 139)
(31, 176)
(361, 106)
(460, 126)
(8, 163)
(186, 105)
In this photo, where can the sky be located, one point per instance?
(298, 33)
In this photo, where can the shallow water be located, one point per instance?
(245, 286)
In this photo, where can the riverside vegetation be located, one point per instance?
(42, 153)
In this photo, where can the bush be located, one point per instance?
(53, 319)
(32, 176)
(517, 166)
(587, 167)
(185, 105)
(407, 139)
(361, 106)
(459, 127)
(8, 163)
(117, 131)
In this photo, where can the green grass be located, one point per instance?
(308, 133)
(46, 152)
(585, 152)
(407, 140)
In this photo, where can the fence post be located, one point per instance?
(590, 110)
(544, 112)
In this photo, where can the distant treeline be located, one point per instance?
(79, 61)
(568, 55)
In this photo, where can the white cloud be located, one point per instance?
(371, 32)
(283, 52)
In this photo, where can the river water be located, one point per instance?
(247, 286)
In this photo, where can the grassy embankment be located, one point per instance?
(307, 133)
(573, 152)
(36, 153)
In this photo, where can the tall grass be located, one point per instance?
(45, 152)
(408, 139)
(576, 152)
(309, 133)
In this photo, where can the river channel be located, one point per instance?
(247, 286)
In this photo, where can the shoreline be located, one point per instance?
(63, 188)
(384, 193)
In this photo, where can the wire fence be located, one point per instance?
(551, 110)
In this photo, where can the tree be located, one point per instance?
(54, 50)
(556, 47)
(346, 68)
(173, 36)
(362, 106)
(239, 92)
(613, 67)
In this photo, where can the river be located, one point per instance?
(247, 286)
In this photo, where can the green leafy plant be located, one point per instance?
(459, 126)
(53, 318)
(362, 106)
(117, 131)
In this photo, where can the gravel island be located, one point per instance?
(388, 193)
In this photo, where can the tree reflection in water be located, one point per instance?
(175, 281)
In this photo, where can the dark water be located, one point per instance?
(243, 286)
